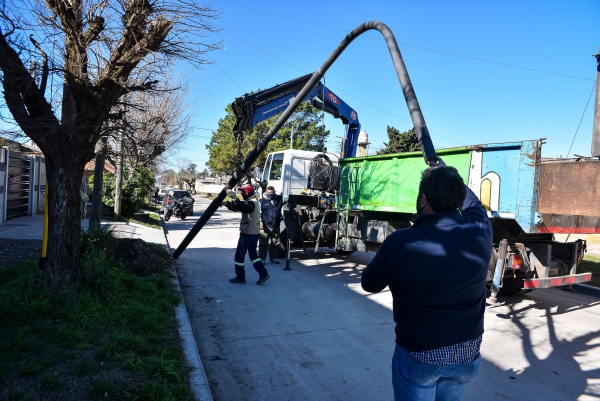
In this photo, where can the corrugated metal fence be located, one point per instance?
(22, 184)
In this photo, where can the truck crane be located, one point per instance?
(354, 203)
(251, 109)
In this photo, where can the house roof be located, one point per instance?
(91, 166)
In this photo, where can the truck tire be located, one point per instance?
(341, 252)
(512, 285)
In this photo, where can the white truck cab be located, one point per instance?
(288, 170)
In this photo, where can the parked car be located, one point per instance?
(162, 193)
(179, 195)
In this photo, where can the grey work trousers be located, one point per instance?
(269, 240)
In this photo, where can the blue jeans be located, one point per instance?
(247, 243)
(416, 380)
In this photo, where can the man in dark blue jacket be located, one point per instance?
(270, 213)
(436, 271)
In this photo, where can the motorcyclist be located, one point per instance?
(249, 235)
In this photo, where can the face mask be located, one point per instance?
(269, 196)
(420, 209)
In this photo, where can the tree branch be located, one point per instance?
(24, 99)
(96, 27)
(45, 68)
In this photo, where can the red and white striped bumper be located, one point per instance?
(556, 281)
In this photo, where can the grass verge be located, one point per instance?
(148, 219)
(145, 219)
(150, 206)
(112, 337)
(591, 264)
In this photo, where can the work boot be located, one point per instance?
(236, 281)
(262, 280)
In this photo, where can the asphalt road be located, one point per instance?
(313, 334)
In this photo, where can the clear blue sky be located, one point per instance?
(464, 101)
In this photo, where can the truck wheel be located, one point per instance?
(512, 285)
(341, 252)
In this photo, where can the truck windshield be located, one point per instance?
(267, 169)
(276, 167)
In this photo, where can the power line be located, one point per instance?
(411, 45)
(333, 86)
(580, 120)
(227, 75)
(272, 55)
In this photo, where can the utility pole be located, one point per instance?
(596, 127)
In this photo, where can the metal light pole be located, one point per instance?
(596, 127)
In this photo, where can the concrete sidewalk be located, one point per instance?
(31, 227)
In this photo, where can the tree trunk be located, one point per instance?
(64, 180)
(96, 212)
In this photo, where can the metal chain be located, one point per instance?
(240, 140)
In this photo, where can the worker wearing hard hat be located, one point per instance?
(249, 235)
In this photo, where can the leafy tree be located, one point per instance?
(137, 186)
(222, 149)
(97, 51)
(400, 142)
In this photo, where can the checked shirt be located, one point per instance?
(450, 355)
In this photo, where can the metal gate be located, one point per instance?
(17, 201)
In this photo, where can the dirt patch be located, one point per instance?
(139, 257)
(16, 250)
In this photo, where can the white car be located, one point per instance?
(162, 193)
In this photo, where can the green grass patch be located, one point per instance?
(145, 219)
(150, 206)
(591, 264)
(104, 389)
(112, 337)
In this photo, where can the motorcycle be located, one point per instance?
(177, 208)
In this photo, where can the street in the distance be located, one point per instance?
(313, 334)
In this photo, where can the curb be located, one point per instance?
(198, 380)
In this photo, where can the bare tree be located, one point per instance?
(153, 123)
(187, 173)
(88, 52)
(169, 176)
(157, 123)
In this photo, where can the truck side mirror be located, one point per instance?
(257, 174)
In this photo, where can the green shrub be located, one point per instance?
(134, 192)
